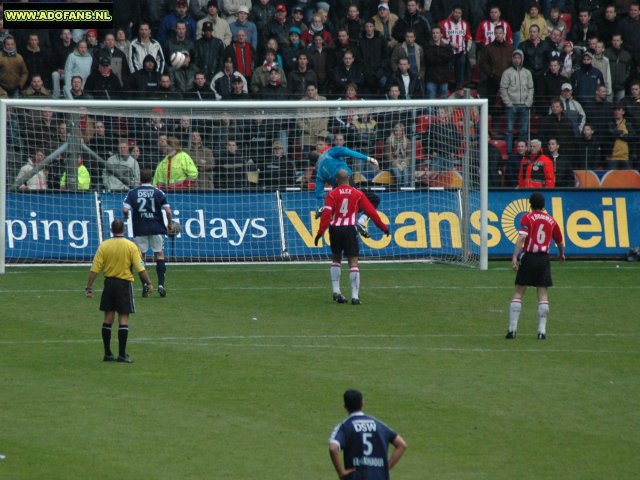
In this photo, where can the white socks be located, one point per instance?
(543, 313)
(354, 280)
(514, 314)
(335, 277)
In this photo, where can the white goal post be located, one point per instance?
(65, 167)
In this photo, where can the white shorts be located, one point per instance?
(153, 242)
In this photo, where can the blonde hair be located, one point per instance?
(174, 142)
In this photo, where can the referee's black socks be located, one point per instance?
(123, 335)
(106, 338)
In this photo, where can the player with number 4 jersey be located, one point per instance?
(537, 230)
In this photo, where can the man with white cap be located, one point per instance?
(384, 23)
(242, 22)
(230, 9)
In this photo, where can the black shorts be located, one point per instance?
(344, 239)
(535, 270)
(117, 296)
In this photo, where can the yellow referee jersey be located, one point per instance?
(116, 256)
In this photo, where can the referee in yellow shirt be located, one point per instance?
(115, 258)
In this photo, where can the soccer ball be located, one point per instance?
(177, 59)
(175, 229)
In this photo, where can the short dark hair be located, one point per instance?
(146, 175)
(117, 227)
(536, 200)
(352, 400)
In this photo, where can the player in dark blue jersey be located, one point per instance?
(146, 204)
(365, 442)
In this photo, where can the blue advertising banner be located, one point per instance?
(218, 226)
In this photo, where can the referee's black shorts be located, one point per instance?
(535, 270)
(117, 296)
(344, 239)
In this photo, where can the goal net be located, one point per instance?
(67, 165)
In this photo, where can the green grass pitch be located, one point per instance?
(240, 370)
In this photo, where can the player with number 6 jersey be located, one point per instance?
(146, 204)
(537, 230)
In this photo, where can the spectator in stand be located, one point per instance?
(61, 50)
(36, 88)
(621, 140)
(384, 22)
(122, 42)
(274, 90)
(291, 50)
(536, 58)
(443, 141)
(166, 89)
(412, 51)
(513, 13)
(310, 127)
(238, 91)
(414, 20)
(182, 78)
(594, 7)
(144, 82)
(297, 19)
(28, 178)
(486, 35)
(533, 17)
(277, 170)
(570, 59)
(347, 72)
(277, 27)
(557, 124)
(398, 157)
(13, 69)
(230, 169)
(76, 92)
(142, 47)
(589, 151)
(562, 164)
(601, 62)
(320, 58)
(117, 59)
(583, 29)
(222, 82)
(301, 76)
(351, 23)
(536, 170)
(551, 84)
(101, 143)
(363, 138)
(78, 64)
(621, 63)
(169, 22)
(515, 160)
(201, 89)
(516, 92)
(495, 58)
(341, 44)
(103, 84)
(82, 180)
(598, 109)
(242, 22)
(261, 13)
(182, 129)
(198, 9)
(457, 33)
(555, 21)
(221, 28)
(231, 9)
(242, 54)
(121, 172)
(409, 83)
(586, 78)
(260, 77)
(608, 25)
(152, 138)
(204, 161)
(630, 30)
(92, 41)
(374, 55)
(176, 171)
(38, 60)
(209, 52)
(179, 42)
(555, 42)
(632, 102)
(272, 44)
(317, 27)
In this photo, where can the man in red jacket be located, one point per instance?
(536, 170)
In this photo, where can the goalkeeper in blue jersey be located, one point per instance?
(328, 162)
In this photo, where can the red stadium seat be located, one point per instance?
(502, 146)
(566, 17)
(424, 122)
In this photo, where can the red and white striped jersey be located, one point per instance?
(540, 228)
(342, 206)
(486, 32)
(458, 34)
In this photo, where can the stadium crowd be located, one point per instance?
(562, 77)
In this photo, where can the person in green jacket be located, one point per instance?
(177, 169)
(83, 179)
